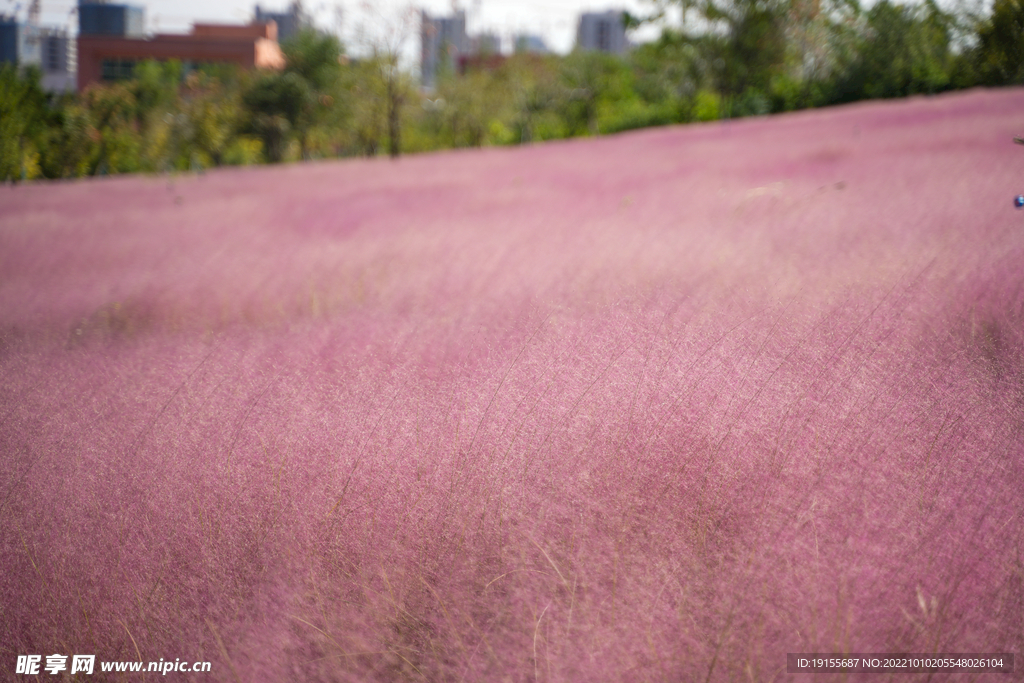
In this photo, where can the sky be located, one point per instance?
(553, 20)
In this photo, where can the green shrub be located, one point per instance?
(707, 106)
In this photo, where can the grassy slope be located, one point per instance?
(658, 406)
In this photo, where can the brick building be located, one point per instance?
(109, 45)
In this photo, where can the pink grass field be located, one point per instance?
(660, 406)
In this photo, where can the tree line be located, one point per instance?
(719, 59)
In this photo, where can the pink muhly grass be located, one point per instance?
(659, 406)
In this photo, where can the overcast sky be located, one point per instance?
(554, 20)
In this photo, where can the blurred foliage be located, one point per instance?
(999, 56)
(720, 59)
(278, 107)
(24, 121)
(905, 49)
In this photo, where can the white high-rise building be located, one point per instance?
(57, 59)
(49, 49)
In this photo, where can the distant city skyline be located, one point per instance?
(553, 20)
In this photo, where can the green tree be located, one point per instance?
(1000, 51)
(369, 110)
(822, 39)
(535, 93)
(114, 112)
(905, 50)
(383, 35)
(592, 84)
(749, 48)
(24, 117)
(276, 104)
(318, 59)
(212, 110)
(72, 144)
(397, 93)
(469, 105)
(670, 70)
(156, 88)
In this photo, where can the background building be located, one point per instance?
(49, 49)
(485, 44)
(530, 43)
(97, 18)
(288, 23)
(109, 46)
(58, 60)
(443, 41)
(19, 42)
(602, 31)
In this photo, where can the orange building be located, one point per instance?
(113, 57)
